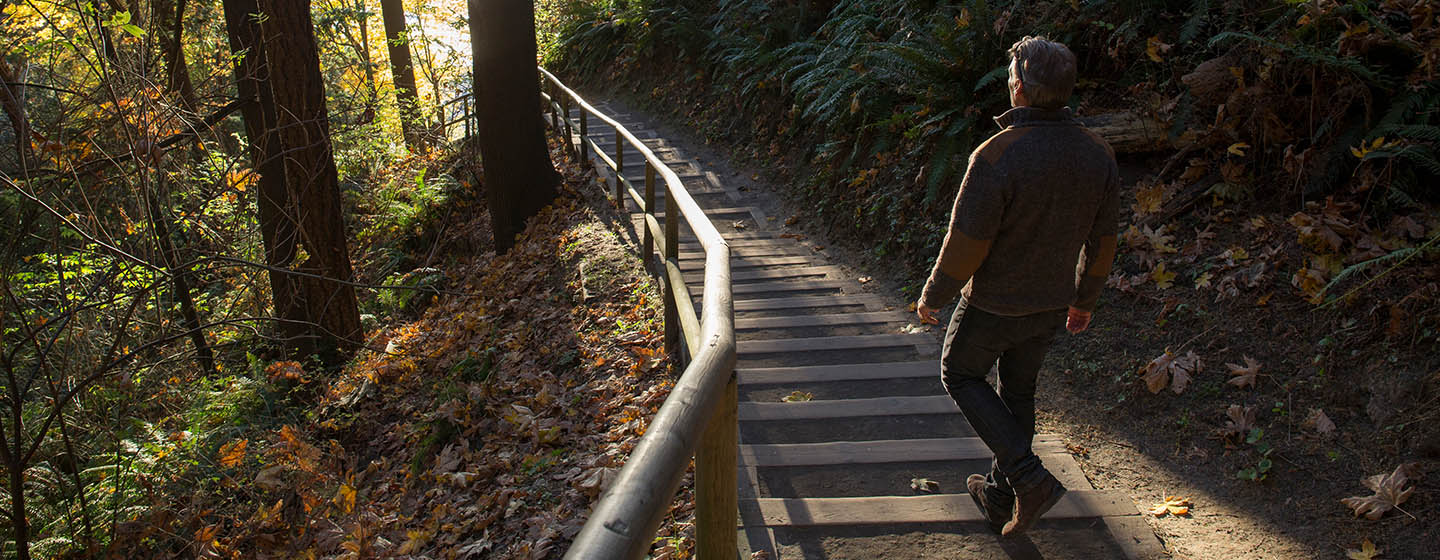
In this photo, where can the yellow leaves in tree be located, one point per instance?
(1244, 375)
(1163, 278)
(231, 454)
(1172, 370)
(1173, 505)
(1389, 492)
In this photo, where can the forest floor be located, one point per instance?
(1337, 395)
(482, 422)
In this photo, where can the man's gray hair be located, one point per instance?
(1047, 69)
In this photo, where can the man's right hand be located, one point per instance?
(926, 314)
(1077, 321)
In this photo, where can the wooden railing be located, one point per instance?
(698, 419)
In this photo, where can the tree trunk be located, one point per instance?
(298, 91)
(402, 71)
(277, 229)
(519, 178)
(12, 102)
(170, 17)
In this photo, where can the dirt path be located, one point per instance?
(1145, 457)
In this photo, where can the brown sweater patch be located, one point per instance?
(1033, 226)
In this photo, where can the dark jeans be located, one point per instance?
(1004, 418)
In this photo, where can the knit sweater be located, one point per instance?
(1033, 227)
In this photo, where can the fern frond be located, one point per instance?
(992, 77)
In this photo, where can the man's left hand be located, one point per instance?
(926, 314)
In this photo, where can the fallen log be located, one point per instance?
(1129, 132)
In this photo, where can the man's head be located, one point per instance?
(1042, 73)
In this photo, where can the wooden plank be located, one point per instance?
(696, 246)
(846, 408)
(821, 343)
(771, 250)
(752, 262)
(882, 451)
(1134, 537)
(765, 288)
(844, 372)
(788, 273)
(1066, 469)
(833, 320)
(807, 302)
(939, 508)
(745, 211)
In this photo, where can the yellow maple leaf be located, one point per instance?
(1367, 551)
(1163, 278)
(1173, 505)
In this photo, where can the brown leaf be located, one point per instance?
(1244, 375)
(1241, 420)
(1172, 370)
(924, 485)
(1318, 421)
(1389, 492)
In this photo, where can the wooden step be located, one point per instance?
(771, 250)
(752, 262)
(845, 372)
(833, 320)
(846, 408)
(807, 302)
(881, 451)
(777, 288)
(788, 273)
(938, 508)
(821, 343)
(691, 245)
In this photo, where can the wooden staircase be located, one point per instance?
(830, 477)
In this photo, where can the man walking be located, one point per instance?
(1037, 197)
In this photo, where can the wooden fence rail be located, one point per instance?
(698, 419)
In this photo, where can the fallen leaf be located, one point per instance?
(1173, 505)
(1367, 551)
(739, 224)
(1163, 278)
(1244, 375)
(1172, 370)
(1241, 420)
(1389, 490)
(1153, 48)
(924, 485)
(798, 396)
(865, 279)
(232, 453)
(1238, 148)
(1318, 421)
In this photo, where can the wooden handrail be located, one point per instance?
(701, 406)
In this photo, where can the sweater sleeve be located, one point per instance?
(974, 223)
(1098, 252)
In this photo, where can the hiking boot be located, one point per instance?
(1031, 504)
(995, 512)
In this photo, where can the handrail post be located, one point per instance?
(716, 496)
(673, 293)
(647, 244)
(554, 110)
(565, 108)
(619, 168)
(584, 133)
(465, 106)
